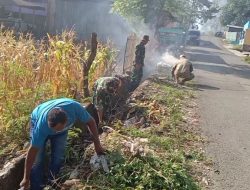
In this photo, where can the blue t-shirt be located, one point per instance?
(39, 118)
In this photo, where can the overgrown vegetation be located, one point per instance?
(247, 59)
(32, 72)
(162, 154)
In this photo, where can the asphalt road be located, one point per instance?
(223, 80)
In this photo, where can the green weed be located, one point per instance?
(247, 59)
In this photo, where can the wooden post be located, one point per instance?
(87, 64)
(125, 54)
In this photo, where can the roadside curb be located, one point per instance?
(235, 52)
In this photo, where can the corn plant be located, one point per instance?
(33, 71)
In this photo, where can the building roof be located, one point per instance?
(23, 3)
(6, 2)
(232, 26)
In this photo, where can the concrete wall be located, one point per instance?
(247, 37)
(231, 36)
(246, 41)
(12, 174)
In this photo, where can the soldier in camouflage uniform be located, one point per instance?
(105, 89)
(137, 72)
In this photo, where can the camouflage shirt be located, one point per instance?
(140, 54)
(103, 91)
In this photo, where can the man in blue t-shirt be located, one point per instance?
(51, 121)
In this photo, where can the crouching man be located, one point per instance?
(182, 71)
(105, 90)
(51, 121)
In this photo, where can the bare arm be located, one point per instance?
(29, 161)
(93, 129)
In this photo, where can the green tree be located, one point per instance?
(236, 12)
(157, 12)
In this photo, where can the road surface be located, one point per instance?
(223, 80)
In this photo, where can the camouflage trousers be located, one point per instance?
(108, 103)
(136, 78)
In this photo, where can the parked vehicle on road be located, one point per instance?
(171, 39)
(193, 37)
(219, 34)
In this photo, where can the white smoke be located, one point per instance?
(164, 66)
(168, 59)
(214, 25)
